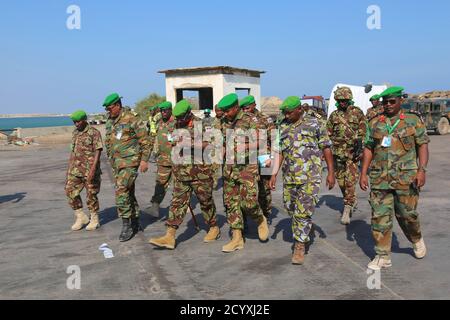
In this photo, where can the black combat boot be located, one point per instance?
(127, 230)
(136, 225)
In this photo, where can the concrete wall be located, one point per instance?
(222, 85)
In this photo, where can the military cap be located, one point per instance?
(228, 102)
(392, 92)
(247, 101)
(291, 103)
(343, 93)
(78, 115)
(165, 105)
(375, 97)
(111, 99)
(181, 108)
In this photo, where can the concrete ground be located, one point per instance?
(37, 246)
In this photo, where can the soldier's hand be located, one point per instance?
(364, 182)
(331, 181)
(273, 182)
(421, 179)
(143, 168)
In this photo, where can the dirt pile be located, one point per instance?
(271, 105)
(431, 95)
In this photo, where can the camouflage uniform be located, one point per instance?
(345, 128)
(392, 173)
(164, 161)
(265, 192)
(84, 146)
(302, 145)
(127, 144)
(241, 180)
(217, 164)
(190, 177)
(153, 122)
(374, 111)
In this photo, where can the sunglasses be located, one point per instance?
(389, 101)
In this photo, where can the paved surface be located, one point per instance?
(37, 246)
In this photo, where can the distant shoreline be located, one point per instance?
(7, 116)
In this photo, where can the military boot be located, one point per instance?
(236, 243)
(153, 210)
(345, 220)
(81, 220)
(136, 225)
(166, 242)
(95, 223)
(420, 250)
(127, 231)
(263, 228)
(380, 262)
(298, 257)
(213, 235)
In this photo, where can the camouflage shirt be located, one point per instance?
(344, 129)
(373, 112)
(127, 140)
(301, 145)
(84, 146)
(245, 122)
(265, 123)
(164, 131)
(194, 169)
(395, 167)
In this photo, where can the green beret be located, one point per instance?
(181, 108)
(165, 105)
(392, 92)
(247, 101)
(228, 102)
(375, 97)
(291, 103)
(78, 115)
(111, 99)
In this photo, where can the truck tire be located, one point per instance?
(443, 126)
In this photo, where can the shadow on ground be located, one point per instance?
(14, 198)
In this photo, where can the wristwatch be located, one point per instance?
(423, 168)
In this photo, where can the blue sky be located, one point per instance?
(305, 47)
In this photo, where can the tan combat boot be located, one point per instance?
(345, 220)
(95, 223)
(236, 243)
(380, 262)
(168, 241)
(213, 235)
(263, 228)
(298, 257)
(420, 250)
(81, 220)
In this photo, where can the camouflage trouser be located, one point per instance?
(347, 175)
(127, 205)
(164, 175)
(300, 202)
(386, 203)
(181, 198)
(75, 185)
(241, 197)
(265, 195)
(217, 174)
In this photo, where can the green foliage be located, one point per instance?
(142, 106)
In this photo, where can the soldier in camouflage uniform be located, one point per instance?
(377, 107)
(164, 129)
(303, 139)
(217, 159)
(240, 173)
(191, 175)
(396, 140)
(347, 130)
(84, 171)
(266, 124)
(153, 121)
(128, 148)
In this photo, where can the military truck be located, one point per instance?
(435, 112)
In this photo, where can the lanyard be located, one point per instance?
(391, 129)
